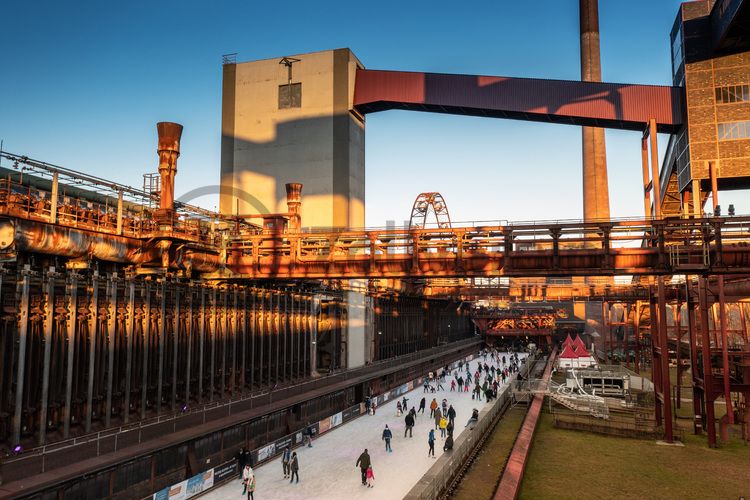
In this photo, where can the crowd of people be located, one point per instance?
(482, 377)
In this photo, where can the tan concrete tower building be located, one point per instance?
(291, 119)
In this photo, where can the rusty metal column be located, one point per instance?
(664, 360)
(595, 185)
(261, 333)
(221, 326)
(111, 312)
(253, 331)
(315, 304)
(201, 340)
(92, 327)
(212, 337)
(129, 330)
(725, 352)
(655, 361)
(637, 337)
(49, 306)
(708, 393)
(162, 334)
(285, 323)
(189, 332)
(655, 182)
(175, 345)
(71, 300)
(243, 332)
(23, 328)
(646, 180)
(693, 339)
(146, 331)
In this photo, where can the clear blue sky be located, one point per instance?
(84, 82)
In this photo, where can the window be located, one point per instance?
(732, 93)
(290, 96)
(734, 130)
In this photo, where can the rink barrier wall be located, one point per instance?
(220, 475)
(440, 475)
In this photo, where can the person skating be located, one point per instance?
(403, 404)
(453, 385)
(431, 443)
(451, 414)
(387, 435)
(426, 385)
(409, 421)
(370, 477)
(449, 428)
(248, 481)
(422, 405)
(363, 462)
(309, 434)
(286, 457)
(399, 410)
(241, 457)
(433, 407)
(294, 467)
(438, 415)
(443, 425)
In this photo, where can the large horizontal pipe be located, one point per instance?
(36, 237)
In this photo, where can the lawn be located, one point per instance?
(481, 479)
(572, 464)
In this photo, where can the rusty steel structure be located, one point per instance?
(427, 203)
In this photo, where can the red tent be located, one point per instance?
(568, 341)
(579, 343)
(581, 351)
(568, 352)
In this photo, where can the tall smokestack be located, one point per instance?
(169, 151)
(595, 186)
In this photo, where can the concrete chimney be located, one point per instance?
(595, 184)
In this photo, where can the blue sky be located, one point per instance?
(84, 82)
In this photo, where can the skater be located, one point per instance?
(409, 421)
(241, 457)
(443, 425)
(370, 477)
(403, 404)
(453, 385)
(399, 410)
(460, 384)
(426, 385)
(438, 415)
(421, 406)
(286, 457)
(248, 481)
(445, 406)
(449, 428)
(431, 442)
(294, 467)
(363, 462)
(387, 435)
(308, 435)
(440, 385)
(368, 402)
(451, 414)
(433, 407)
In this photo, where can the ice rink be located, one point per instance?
(328, 471)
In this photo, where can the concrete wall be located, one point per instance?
(320, 144)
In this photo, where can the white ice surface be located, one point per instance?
(328, 471)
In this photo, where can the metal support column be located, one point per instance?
(92, 327)
(162, 334)
(664, 360)
(708, 394)
(111, 313)
(49, 307)
(129, 331)
(71, 300)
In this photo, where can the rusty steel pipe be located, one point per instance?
(35, 237)
(294, 204)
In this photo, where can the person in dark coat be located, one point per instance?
(387, 435)
(451, 414)
(241, 457)
(448, 443)
(286, 458)
(409, 421)
(363, 462)
(422, 406)
(431, 443)
(294, 467)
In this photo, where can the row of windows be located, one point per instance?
(734, 130)
(733, 93)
